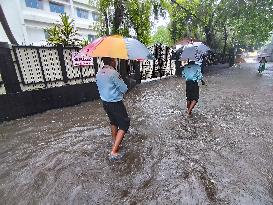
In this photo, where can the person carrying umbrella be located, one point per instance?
(192, 74)
(111, 89)
(110, 85)
(262, 65)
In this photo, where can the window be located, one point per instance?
(82, 13)
(91, 37)
(46, 34)
(57, 8)
(95, 16)
(37, 4)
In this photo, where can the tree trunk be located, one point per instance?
(106, 23)
(209, 33)
(225, 41)
(6, 27)
(118, 16)
(173, 31)
(209, 36)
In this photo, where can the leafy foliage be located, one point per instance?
(221, 23)
(127, 17)
(83, 42)
(251, 21)
(63, 33)
(162, 36)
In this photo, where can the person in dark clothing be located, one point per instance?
(262, 65)
(192, 74)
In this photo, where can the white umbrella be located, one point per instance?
(194, 51)
(201, 47)
(189, 52)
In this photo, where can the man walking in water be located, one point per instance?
(111, 89)
(192, 74)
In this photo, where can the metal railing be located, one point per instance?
(162, 65)
(49, 65)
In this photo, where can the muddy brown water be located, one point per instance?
(221, 155)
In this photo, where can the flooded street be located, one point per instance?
(221, 155)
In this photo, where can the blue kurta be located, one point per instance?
(111, 86)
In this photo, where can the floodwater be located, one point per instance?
(221, 155)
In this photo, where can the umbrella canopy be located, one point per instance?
(194, 51)
(201, 47)
(117, 47)
(190, 53)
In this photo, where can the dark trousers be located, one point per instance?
(192, 90)
(117, 114)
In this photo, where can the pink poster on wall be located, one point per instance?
(81, 60)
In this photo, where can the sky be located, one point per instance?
(160, 22)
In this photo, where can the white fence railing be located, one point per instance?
(47, 67)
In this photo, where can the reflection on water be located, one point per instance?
(222, 155)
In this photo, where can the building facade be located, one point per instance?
(28, 19)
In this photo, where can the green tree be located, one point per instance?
(139, 13)
(162, 36)
(251, 21)
(193, 19)
(64, 33)
(221, 23)
(127, 16)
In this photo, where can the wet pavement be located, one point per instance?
(221, 155)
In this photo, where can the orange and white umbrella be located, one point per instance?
(117, 47)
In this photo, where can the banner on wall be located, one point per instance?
(81, 60)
